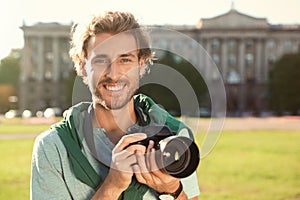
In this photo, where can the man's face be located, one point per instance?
(113, 69)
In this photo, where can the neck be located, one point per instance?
(115, 122)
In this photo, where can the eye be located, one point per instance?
(125, 60)
(100, 61)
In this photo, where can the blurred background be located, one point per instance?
(255, 45)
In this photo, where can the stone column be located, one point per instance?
(55, 49)
(25, 61)
(201, 58)
(40, 59)
(224, 59)
(208, 60)
(242, 88)
(242, 60)
(280, 47)
(25, 68)
(265, 63)
(258, 63)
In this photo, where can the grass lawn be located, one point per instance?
(252, 165)
(15, 168)
(20, 126)
(246, 165)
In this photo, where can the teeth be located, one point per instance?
(114, 88)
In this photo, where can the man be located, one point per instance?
(88, 155)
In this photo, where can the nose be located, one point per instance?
(113, 71)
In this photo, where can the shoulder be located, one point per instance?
(48, 146)
(47, 137)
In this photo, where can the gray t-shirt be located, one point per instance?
(52, 177)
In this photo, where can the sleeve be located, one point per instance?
(47, 181)
(190, 185)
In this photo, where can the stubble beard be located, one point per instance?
(117, 101)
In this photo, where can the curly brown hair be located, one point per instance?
(109, 22)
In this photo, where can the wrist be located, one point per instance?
(110, 188)
(108, 191)
(171, 187)
(171, 195)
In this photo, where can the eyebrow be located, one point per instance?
(121, 55)
(100, 56)
(127, 55)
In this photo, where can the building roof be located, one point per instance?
(233, 20)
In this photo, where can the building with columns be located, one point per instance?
(45, 66)
(242, 47)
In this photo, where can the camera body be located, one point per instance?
(176, 155)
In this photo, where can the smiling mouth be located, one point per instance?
(116, 87)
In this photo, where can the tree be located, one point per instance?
(284, 84)
(69, 84)
(9, 78)
(10, 68)
(164, 95)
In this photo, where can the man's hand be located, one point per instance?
(124, 158)
(147, 172)
(120, 174)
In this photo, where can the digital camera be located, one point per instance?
(177, 156)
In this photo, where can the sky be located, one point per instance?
(14, 13)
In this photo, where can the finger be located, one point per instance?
(138, 174)
(128, 139)
(152, 162)
(141, 161)
(150, 146)
(140, 169)
(130, 151)
(124, 165)
(136, 148)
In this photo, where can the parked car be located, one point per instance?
(26, 114)
(52, 112)
(204, 112)
(12, 114)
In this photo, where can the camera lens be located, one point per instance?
(178, 156)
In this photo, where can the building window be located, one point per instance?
(249, 58)
(178, 44)
(64, 57)
(49, 56)
(271, 59)
(271, 44)
(48, 75)
(193, 44)
(216, 58)
(288, 44)
(233, 77)
(232, 59)
(33, 42)
(232, 44)
(33, 76)
(215, 44)
(249, 44)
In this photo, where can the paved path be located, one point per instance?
(243, 124)
(230, 124)
(11, 136)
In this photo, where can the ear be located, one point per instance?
(142, 67)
